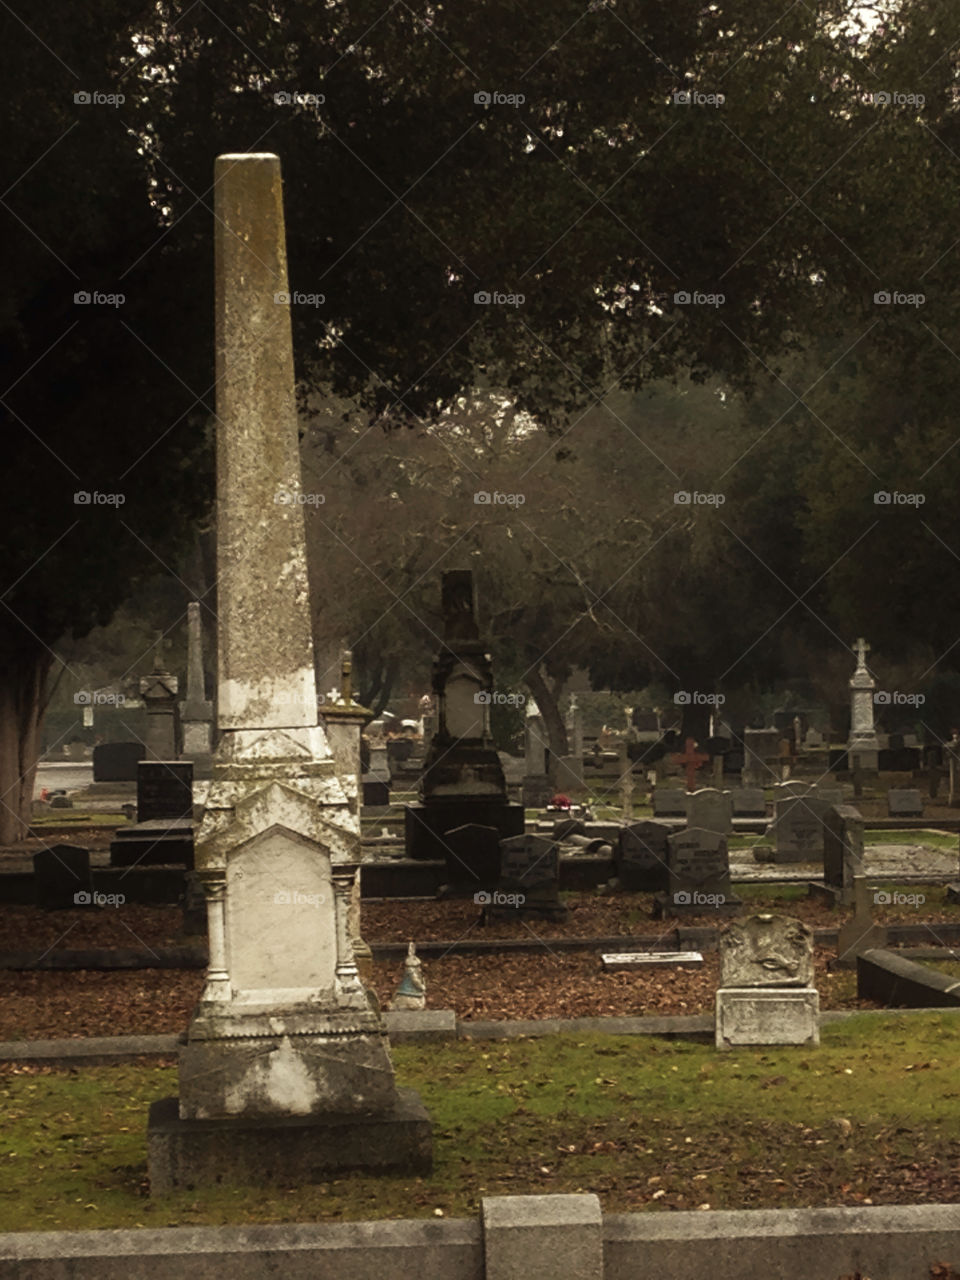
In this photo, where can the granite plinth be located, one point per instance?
(150, 844)
(285, 1151)
(276, 1064)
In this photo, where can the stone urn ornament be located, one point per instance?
(412, 991)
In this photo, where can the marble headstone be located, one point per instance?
(766, 950)
(766, 996)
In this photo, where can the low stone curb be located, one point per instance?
(537, 1237)
(415, 1027)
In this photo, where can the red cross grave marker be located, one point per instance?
(693, 760)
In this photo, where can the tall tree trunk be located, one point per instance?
(547, 700)
(376, 690)
(696, 722)
(23, 700)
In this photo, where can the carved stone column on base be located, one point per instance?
(862, 747)
(344, 721)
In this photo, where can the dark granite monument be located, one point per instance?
(117, 761)
(641, 857)
(473, 859)
(163, 832)
(462, 780)
(61, 877)
(529, 880)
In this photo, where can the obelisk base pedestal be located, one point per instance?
(283, 1063)
(288, 1150)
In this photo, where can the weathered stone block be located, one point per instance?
(238, 1072)
(766, 950)
(753, 1015)
(285, 1150)
(543, 1237)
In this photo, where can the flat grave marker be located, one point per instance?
(618, 960)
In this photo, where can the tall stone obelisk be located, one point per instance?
(196, 711)
(862, 746)
(285, 1073)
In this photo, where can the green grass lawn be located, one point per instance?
(920, 835)
(872, 1116)
(58, 817)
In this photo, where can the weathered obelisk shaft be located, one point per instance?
(265, 647)
(195, 689)
(195, 706)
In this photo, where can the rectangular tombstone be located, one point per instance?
(843, 850)
(710, 809)
(529, 879)
(904, 802)
(376, 792)
(425, 824)
(536, 792)
(164, 790)
(380, 764)
(61, 878)
(569, 773)
(669, 802)
(748, 802)
(641, 857)
(472, 854)
(798, 829)
(647, 722)
(754, 1015)
(117, 761)
(159, 843)
(698, 875)
(535, 1236)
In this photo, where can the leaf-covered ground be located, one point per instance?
(543, 984)
(589, 915)
(540, 983)
(871, 1117)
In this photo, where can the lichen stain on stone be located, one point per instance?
(281, 1080)
(286, 699)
